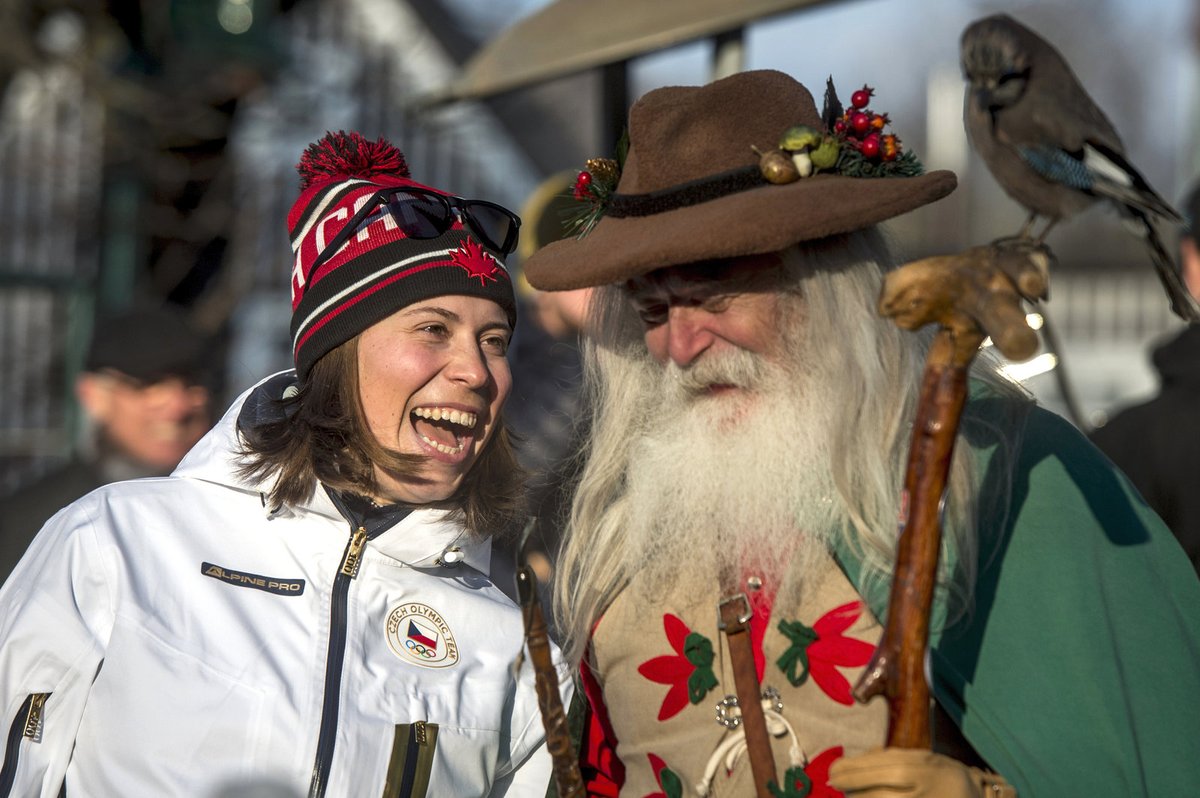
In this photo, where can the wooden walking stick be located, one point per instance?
(567, 779)
(971, 295)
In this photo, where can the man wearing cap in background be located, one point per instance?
(1157, 442)
(750, 419)
(145, 396)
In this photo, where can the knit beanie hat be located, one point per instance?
(379, 269)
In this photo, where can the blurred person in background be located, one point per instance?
(145, 397)
(307, 600)
(544, 409)
(1157, 443)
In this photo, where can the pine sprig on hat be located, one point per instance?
(342, 155)
(593, 188)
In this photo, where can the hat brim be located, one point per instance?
(764, 219)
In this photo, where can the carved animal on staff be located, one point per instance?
(1049, 146)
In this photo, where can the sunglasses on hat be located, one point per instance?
(423, 214)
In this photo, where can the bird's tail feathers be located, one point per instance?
(1115, 177)
(1181, 300)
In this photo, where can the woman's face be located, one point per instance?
(433, 377)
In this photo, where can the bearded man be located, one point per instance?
(750, 419)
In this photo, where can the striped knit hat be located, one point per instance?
(378, 270)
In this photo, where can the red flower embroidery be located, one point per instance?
(818, 773)
(822, 649)
(688, 671)
(476, 261)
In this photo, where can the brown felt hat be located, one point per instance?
(686, 193)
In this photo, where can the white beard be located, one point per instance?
(740, 479)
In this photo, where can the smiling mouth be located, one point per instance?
(444, 429)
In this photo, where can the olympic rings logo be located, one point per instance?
(419, 649)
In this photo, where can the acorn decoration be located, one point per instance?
(777, 167)
(802, 151)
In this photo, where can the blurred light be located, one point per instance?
(1034, 320)
(62, 33)
(236, 16)
(1030, 368)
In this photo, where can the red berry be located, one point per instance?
(860, 122)
(860, 98)
(581, 185)
(839, 127)
(870, 147)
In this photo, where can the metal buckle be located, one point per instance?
(725, 712)
(743, 617)
(729, 711)
(772, 695)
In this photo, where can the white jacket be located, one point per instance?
(171, 637)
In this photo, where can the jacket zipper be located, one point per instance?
(26, 724)
(416, 738)
(334, 660)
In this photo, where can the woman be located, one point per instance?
(305, 602)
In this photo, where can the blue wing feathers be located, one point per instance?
(1058, 166)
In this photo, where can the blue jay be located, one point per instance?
(1049, 146)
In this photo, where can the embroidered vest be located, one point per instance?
(664, 671)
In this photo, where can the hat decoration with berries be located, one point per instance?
(742, 166)
(379, 269)
(854, 142)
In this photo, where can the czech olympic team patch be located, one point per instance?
(418, 634)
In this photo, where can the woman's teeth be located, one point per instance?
(460, 417)
(443, 448)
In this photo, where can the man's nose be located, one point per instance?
(688, 334)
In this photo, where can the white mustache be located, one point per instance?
(736, 367)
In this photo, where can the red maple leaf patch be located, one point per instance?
(476, 261)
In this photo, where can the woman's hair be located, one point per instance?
(320, 435)
(830, 287)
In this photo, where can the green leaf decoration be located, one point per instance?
(672, 785)
(851, 163)
(794, 661)
(698, 650)
(796, 784)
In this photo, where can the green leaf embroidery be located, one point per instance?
(698, 650)
(794, 661)
(671, 784)
(796, 784)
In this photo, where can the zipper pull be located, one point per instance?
(33, 719)
(358, 541)
(419, 732)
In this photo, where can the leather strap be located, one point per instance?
(735, 617)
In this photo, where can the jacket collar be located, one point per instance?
(427, 538)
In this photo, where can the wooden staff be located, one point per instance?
(567, 779)
(970, 295)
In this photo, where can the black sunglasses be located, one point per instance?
(420, 213)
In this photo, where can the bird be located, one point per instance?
(1048, 144)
